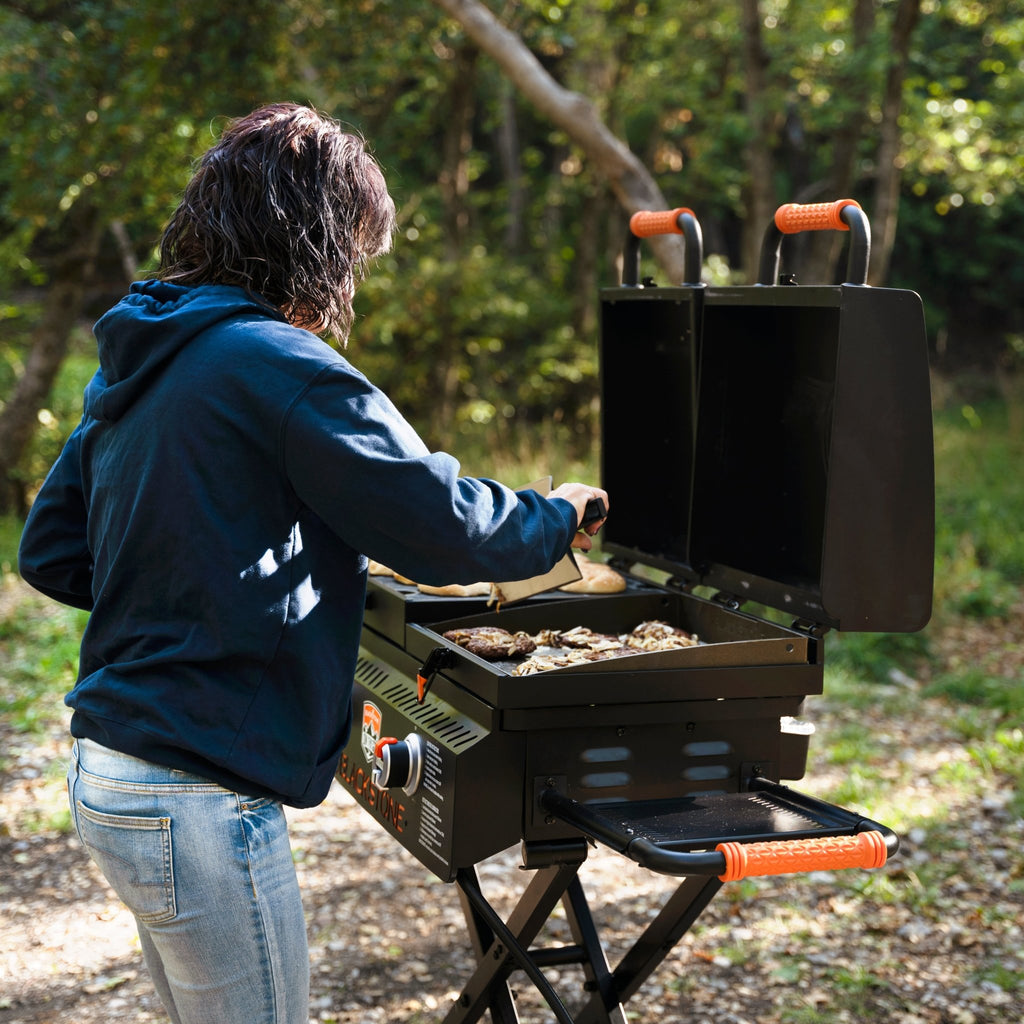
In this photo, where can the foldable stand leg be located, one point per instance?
(605, 1006)
(509, 943)
(659, 938)
(500, 1002)
(502, 948)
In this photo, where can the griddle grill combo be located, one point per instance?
(767, 449)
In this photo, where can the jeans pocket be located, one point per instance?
(134, 855)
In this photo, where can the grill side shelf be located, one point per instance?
(770, 829)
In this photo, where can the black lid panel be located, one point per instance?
(809, 483)
(648, 415)
(765, 428)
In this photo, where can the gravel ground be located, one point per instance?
(934, 937)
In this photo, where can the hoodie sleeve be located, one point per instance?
(355, 461)
(53, 555)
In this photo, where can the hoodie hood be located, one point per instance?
(139, 336)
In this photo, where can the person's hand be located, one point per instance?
(578, 495)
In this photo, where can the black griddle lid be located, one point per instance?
(774, 442)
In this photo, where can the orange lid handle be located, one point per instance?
(645, 223)
(382, 743)
(779, 857)
(795, 217)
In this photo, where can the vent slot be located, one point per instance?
(708, 748)
(606, 755)
(704, 772)
(606, 780)
(435, 718)
(371, 674)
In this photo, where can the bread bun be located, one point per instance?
(598, 578)
(457, 590)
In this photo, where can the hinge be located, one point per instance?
(680, 583)
(815, 629)
(728, 600)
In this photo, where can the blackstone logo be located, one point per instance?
(371, 729)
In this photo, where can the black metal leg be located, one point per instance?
(502, 948)
(509, 946)
(500, 1001)
(604, 1006)
(659, 938)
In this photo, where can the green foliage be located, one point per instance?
(877, 655)
(39, 652)
(63, 411)
(10, 532)
(491, 333)
(108, 103)
(979, 510)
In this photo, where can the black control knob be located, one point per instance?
(399, 763)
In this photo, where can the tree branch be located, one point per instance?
(629, 180)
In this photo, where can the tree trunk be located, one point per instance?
(887, 185)
(611, 158)
(70, 273)
(455, 148)
(453, 181)
(825, 248)
(509, 151)
(761, 202)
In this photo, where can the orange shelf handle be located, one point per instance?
(795, 217)
(645, 223)
(779, 857)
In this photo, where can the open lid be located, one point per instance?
(774, 442)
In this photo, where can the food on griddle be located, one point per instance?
(598, 578)
(579, 638)
(491, 642)
(659, 636)
(559, 648)
(562, 648)
(545, 662)
(378, 569)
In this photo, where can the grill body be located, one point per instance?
(652, 726)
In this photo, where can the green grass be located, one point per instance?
(979, 497)
(10, 531)
(39, 654)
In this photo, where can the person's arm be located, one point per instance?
(357, 463)
(53, 555)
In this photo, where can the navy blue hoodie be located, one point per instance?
(214, 510)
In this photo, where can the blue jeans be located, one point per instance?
(208, 874)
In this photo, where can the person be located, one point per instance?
(214, 510)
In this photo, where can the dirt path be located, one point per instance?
(935, 937)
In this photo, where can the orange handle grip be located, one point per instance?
(742, 860)
(645, 223)
(795, 217)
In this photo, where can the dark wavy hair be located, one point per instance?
(289, 206)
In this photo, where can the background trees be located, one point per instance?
(513, 185)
